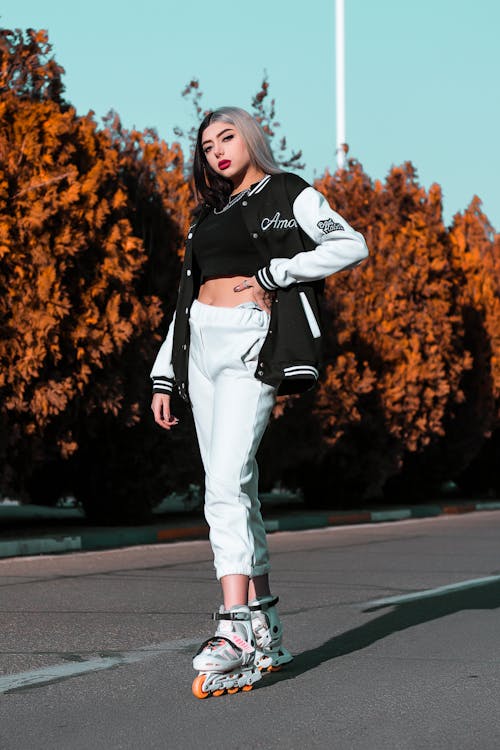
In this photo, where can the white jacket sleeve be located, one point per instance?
(339, 245)
(162, 373)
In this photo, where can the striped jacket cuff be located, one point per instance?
(266, 280)
(163, 385)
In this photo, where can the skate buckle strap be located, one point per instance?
(233, 639)
(212, 642)
(264, 606)
(230, 616)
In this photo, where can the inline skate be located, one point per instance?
(225, 662)
(270, 654)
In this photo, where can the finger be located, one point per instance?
(168, 424)
(161, 413)
(160, 420)
(244, 285)
(168, 420)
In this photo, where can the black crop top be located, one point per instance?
(222, 246)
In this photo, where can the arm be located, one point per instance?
(339, 245)
(162, 373)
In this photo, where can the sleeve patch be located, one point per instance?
(329, 225)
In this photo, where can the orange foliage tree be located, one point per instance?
(27, 68)
(89, 263)
(476, 266)
(475, 253)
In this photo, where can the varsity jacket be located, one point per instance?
(301, 240)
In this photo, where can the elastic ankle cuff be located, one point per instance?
(233, 572)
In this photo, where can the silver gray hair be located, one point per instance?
(256, 140)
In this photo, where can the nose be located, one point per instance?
(219, 150)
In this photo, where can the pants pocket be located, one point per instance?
(251, 355)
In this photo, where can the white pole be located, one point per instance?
(340, 83)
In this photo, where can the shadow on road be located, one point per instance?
(401, 616)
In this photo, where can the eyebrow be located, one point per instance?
(217, 136)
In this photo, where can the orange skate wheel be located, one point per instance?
(274, 669)
(218, 692)
(232, 691)
(197, 687)
(246, 688)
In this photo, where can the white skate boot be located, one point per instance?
(226, 661)
(270, 655)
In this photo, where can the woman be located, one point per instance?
(246, 328)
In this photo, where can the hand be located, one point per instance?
(260, 296)
(161, 410)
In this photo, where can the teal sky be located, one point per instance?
(422, 78)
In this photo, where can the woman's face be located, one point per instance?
(225, 150)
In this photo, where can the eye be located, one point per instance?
(206, 150)
(228, 137)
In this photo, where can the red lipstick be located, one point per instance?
(224, 163)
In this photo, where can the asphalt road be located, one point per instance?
(395, 628)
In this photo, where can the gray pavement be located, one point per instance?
(395, 630)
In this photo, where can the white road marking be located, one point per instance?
(428, 593)
(45, 675)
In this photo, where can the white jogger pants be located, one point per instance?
(231, 409)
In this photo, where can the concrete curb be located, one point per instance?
(129, 536)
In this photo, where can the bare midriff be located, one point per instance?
(219, 291)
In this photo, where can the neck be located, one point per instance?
(242, 182)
